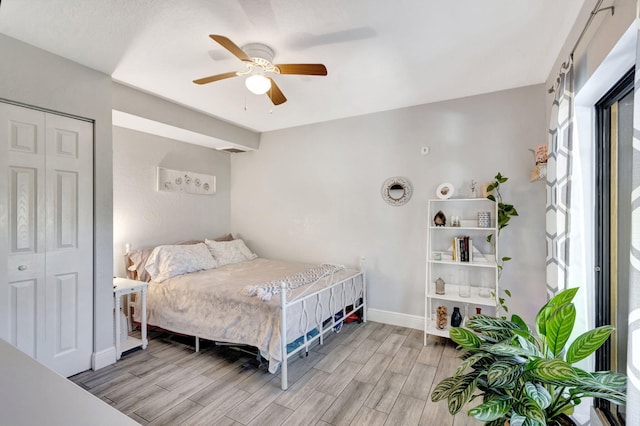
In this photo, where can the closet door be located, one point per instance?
(22, 228)
(46, 230)
(69, 244)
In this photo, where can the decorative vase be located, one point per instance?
(456, 317)
(439, 286)
(441, 317)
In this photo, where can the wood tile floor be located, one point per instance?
(368, 374)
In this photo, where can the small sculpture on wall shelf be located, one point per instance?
(441, 317)
(440, 219)
(440, 286)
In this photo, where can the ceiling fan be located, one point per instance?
(258, 59)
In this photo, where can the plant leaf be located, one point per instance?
(516, 319)
(486, 323)
(444, 388)
(470, 362)
(517, 420)
(504, 259)
(529, 409)
(506, 349)
(587, 343)
(462, 392)
(538, 393)
(465, 338)
(559, 328)
(490, 196)
(612, 395)
(503, 374)
(507, 292)
(554, 371)
(491, 187)
(491, 410)
(562, 298)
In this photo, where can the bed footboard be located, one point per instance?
(344, 298)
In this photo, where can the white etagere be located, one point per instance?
(480, 276)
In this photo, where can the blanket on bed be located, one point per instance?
(309, 276)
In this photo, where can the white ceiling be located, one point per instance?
(380, 54)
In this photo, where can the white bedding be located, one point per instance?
(211, 304)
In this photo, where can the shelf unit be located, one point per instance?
(481, 275)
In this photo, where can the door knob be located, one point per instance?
(22, 268)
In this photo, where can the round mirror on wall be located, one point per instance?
(396, 191)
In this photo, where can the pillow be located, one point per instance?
(169, 261)
(136, 260)
(228, 252)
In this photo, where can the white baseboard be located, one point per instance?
(103, 358)
(395, 318)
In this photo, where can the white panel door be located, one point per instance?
(69, 244)
(48, 226)
(22, 226)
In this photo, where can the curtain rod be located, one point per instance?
(565, 65)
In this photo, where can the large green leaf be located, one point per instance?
(465, 338)
(554, 371)
(612, 395)
(587, 343)
(503, 374)
(610, 379)
(562, 298)
(469, 362)
(487, 323)
(461, 393)
(517, 420)
(520, 322)
(538, 393)
(444, 388)
(527, 408)
(530, 347)
(492, 410)
(506, 349)
(559, 328)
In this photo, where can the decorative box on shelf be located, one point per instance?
(460, 255)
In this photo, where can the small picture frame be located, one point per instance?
(445, 191)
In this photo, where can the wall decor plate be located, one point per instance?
(188, 182)
(396, 191)
(445, 191)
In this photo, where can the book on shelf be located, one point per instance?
(462, 249)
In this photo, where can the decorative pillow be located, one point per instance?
(169, 261)
(227, 252)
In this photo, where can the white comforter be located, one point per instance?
(211, 304)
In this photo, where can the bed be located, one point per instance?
(281, 308)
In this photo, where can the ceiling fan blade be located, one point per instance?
(216, 77)
(231, 47)
(303, 69)
(275, 94)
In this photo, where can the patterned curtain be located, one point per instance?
(633, 345)
(559, 183)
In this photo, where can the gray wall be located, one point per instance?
(35, 77)
(145, 217)
(312, 193)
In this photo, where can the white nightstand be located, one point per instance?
(122, 287)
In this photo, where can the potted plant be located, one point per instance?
(526, 378)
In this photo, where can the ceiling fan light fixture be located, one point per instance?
(258, 84)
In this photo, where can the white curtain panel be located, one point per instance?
(633, 348)
(559, 184)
